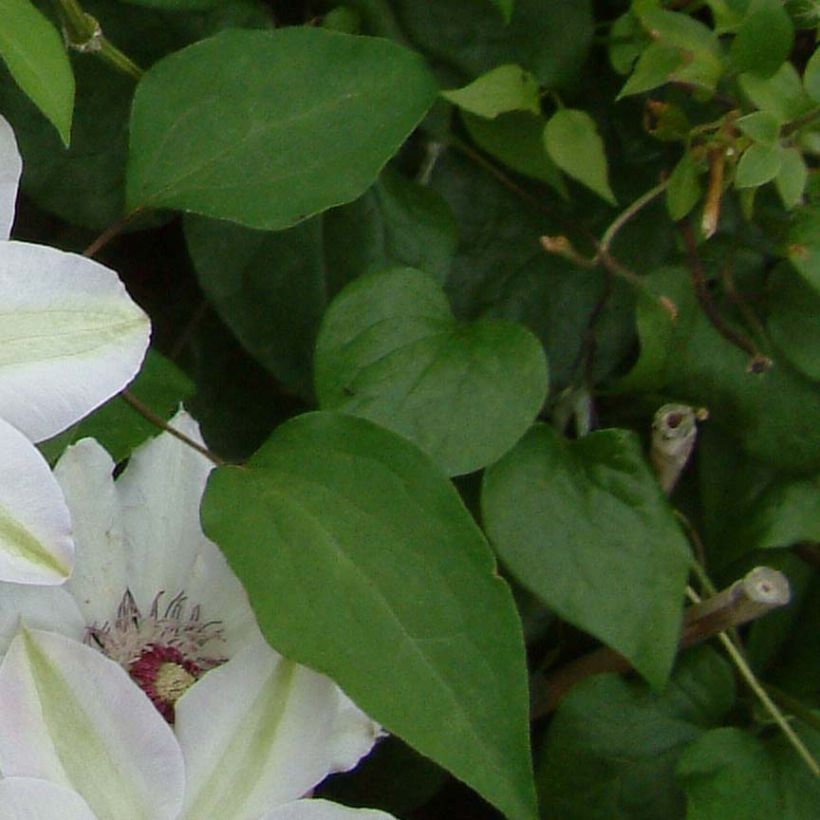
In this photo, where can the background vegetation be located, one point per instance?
(486, 240)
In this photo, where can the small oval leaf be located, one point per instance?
(572, 140)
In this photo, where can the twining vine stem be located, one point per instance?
(758, 362)
(561, 246)
(158, 421)
(111, 232)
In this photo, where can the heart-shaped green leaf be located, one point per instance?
(390, 350)
(585, 527)
(731, 773)
(616, 744)
(268, 128)
(361, 561)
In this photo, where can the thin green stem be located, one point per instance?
(799, 122)
(794, 705)
(83, 32)
(703, 578)
(117, 59)
(757, 688)
(628, 213)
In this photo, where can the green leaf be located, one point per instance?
(389, 350)
(361, 561)
(278, 143)
(178, 5)
(573, 143)
(501, 270)
(683, 191)
(787, 512)
(656, 66)
(585, 527)
(160, 386)
(627, 41)
(417, 226)
(268, 287)
(271, 288)
(794, 320)
(397, 222)
(781, 94)
(517, 139)
(696, 45)
(803, 244)
(675, 28)
(35, 55)
(730, 773)
(465, 37)
(611, 749)
(506, 88)
(85, 185)
(727, 773)
(727, 14)
(758, 165)
(505, 7)
(761, 126)
(811, 76)
(792, 177)
(764, 38)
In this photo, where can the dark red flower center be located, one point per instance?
(164, 674)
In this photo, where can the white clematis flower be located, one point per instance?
(70, 338)
(78, 739)
(153, 606)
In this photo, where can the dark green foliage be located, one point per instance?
(623, 196)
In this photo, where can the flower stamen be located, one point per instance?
(163, 652)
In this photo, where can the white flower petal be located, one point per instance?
(11, 166)
(70, 715)
(38, 607)
(160, 493)
(99, 579)
(28, 798)
(70, 337)
(323, 810)
(35, 528)
(256, 732)
(353, 736)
